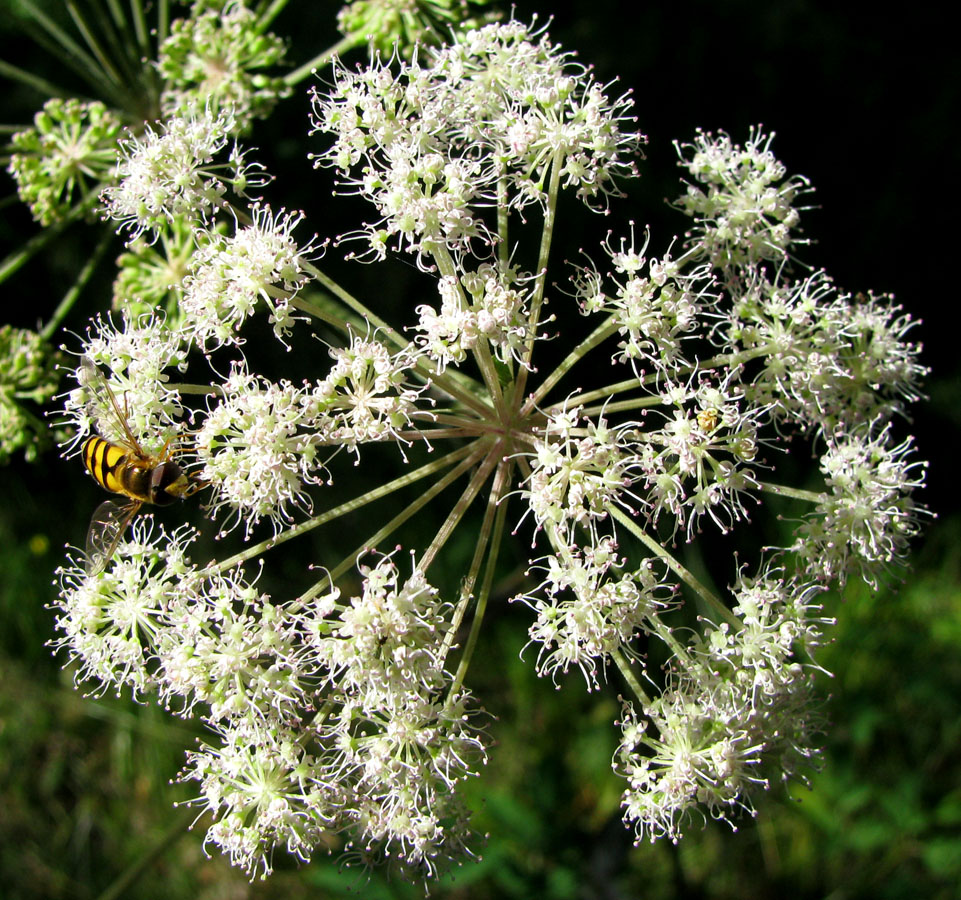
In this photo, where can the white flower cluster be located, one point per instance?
(497, 110)
(477, 306)
(827, 360)
(580, 469)
(342, 715)
(326, 717)
(736, 711)
(728, 355)
(259, 444)
(863, 526)
(112, 622)
(365, 396)
(655, 307)
(172, 172)
(134, 360)
(258, 449)
(229, 276)
(403, 739)
(700, 461)
(590, 609)
(743, 203)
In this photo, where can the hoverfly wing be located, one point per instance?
(107, 527)
(101, 403)
(97, 393)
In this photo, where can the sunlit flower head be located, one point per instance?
(175, 171)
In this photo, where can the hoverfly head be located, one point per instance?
(168, 482)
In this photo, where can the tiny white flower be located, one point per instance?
(114, 620)
(163, 175)
(863, 525)
(230, 276)
(258, 451)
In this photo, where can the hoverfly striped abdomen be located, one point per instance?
(136, 476)
(104, 461)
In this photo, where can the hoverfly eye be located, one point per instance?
(167, 483)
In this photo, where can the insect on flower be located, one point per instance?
(124, 467)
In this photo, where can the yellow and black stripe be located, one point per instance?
(104, 461)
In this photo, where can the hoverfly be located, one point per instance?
(124, 467)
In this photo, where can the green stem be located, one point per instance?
(312, 309)
(355, 304)
(448, 269)
(269, 14)
(66, 304)
(443, 380)
(624, 667)
(550, 215)
(616, 388)
(321, 59)
(342, 510)
(455, 420)
(40, 85)
(480, 548)
(675, 646)
(71, 53)
(600, 334)
(102, 58)
(201, 390)
(486, 364)
(794, 493)
(429, 434)
(141, 31)
(395, 523)
(463, 504)
(729, 360)
(503, 223)
(446, 382)
(684, 574)
(726, 360)
(163, 21)
(326, 307)
(501, 481)
(47, 236)
(624, 405)
(723, 360)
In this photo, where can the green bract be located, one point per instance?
(71, 148)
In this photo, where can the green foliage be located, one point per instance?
(27, 377)
(887, 805)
